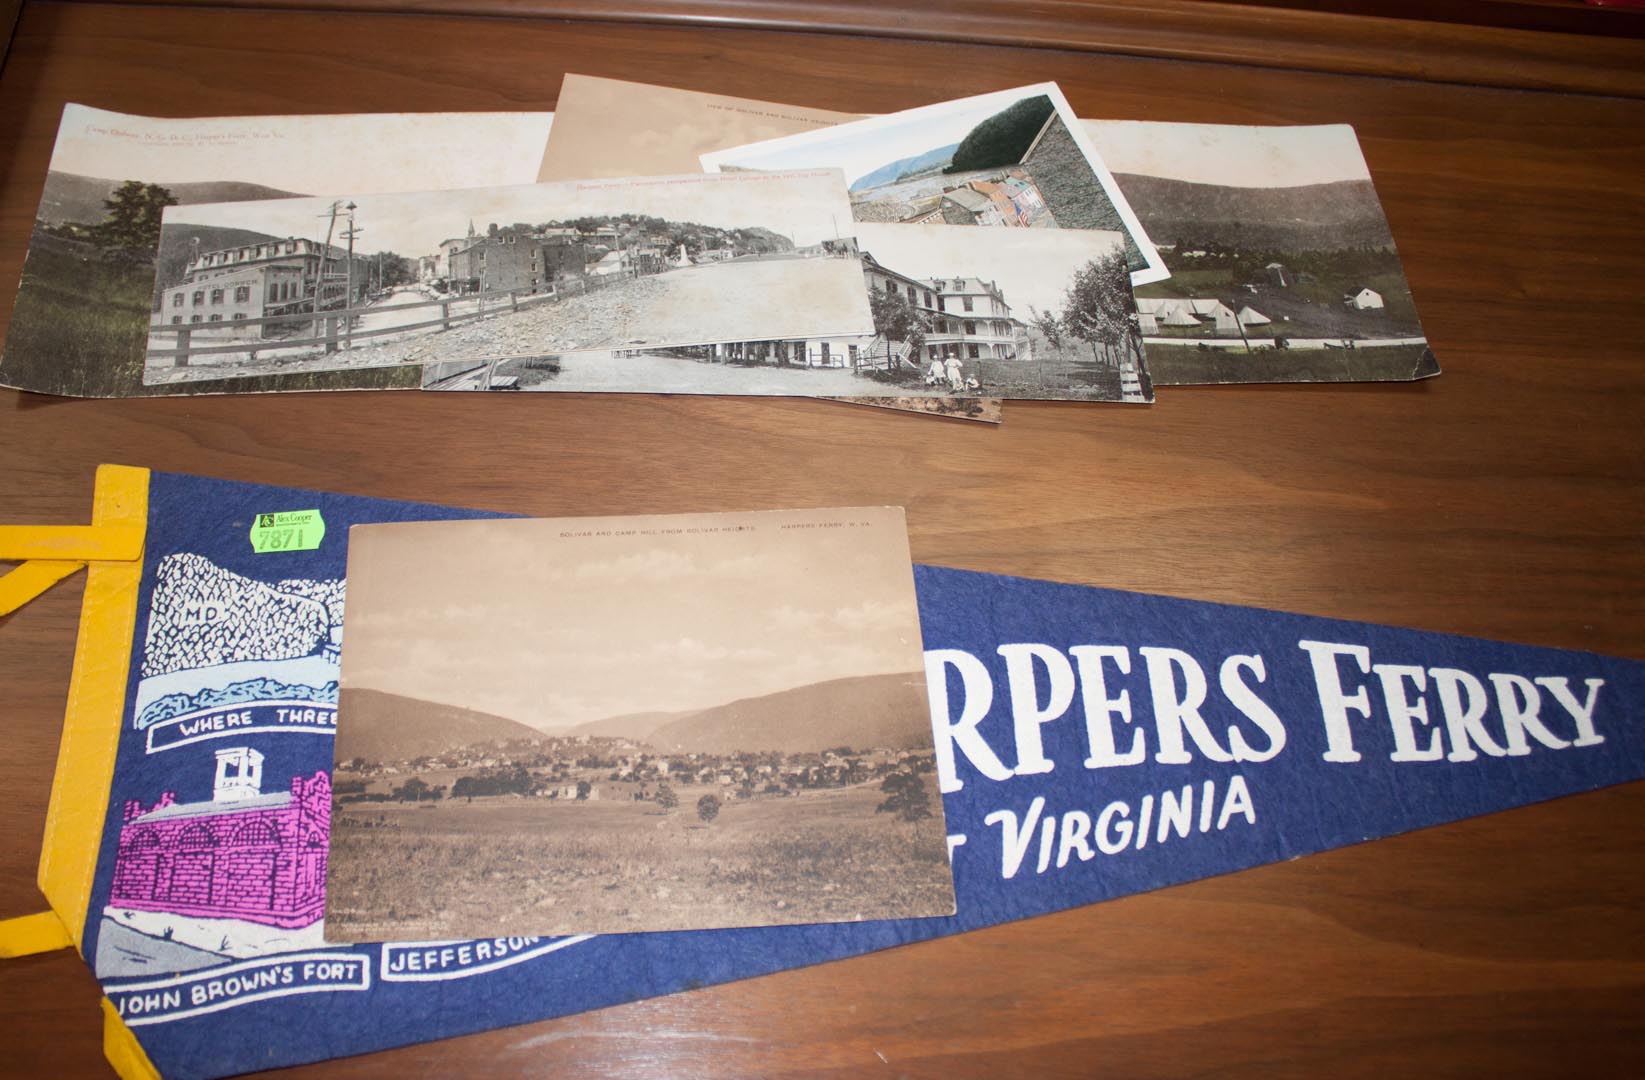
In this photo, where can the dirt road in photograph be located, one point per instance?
(741, 300)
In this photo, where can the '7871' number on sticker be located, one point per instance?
(289, 530)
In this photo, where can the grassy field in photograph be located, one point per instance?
(80, 327)
(1182, 365)
(1069, 372)
(81, 324)
(502, 864)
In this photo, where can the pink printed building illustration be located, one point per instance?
(242, 855)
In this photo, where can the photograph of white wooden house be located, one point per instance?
(957, 312)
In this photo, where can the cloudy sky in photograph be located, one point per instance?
(561, 622)
(806, 207)
(1230, 154)
(307, 155)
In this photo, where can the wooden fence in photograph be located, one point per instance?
(336, 330)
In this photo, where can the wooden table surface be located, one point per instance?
(1505, 499)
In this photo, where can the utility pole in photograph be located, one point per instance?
(348, 296)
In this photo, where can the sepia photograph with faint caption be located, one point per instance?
(467, 277)
(599, 725)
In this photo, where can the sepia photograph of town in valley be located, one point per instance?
(1014, 159)
(1283, 268)
(601, 725)
(464, 278)
(81, 322)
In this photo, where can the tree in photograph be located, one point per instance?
(1101, 312)
(393, 269)
(413, 790)
(133, 221)
(905, 796)
(895, 319)
(667, 799)
(584, 788)
(1048, 326)
(708, 808)
(1003, 138)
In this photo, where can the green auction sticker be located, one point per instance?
(293, 530)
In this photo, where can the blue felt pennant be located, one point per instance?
(1091, 744)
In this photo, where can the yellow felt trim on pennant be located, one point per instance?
(30, 934)
(113, 540)
(122, 1049)
(97, 699)
(34, 577)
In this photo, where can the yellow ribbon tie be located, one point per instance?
(31, 579)
(122, 1049)
(30, 934)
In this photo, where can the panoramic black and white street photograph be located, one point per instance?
(528, 272)
(961, 319)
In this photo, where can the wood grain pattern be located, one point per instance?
(1505, 499)
(1499, 51)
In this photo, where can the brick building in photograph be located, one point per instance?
(240, 855)
(509, 259)
(255, 281)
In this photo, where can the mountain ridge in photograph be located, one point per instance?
(859, 711)
(175, 249)
(72, 197)
(896, 170)
(1309, 217)
(381, 726)
(637, 726)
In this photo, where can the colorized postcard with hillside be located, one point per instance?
(1011, 159)
(80, 325)
(1283, 268)
(599, 725)
(614, 268)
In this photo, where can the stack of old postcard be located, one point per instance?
(646, 239)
